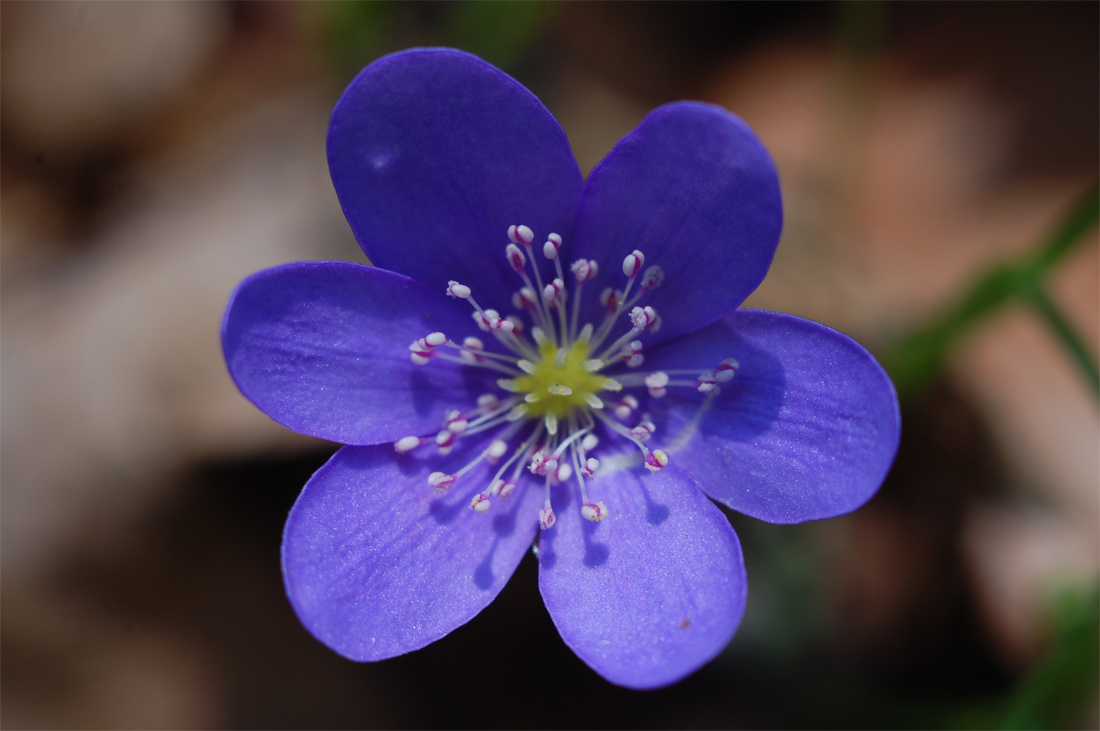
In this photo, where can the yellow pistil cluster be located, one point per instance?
(562, 380)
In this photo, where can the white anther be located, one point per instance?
(520, 235)
(441, 481)
(583, 269)
(517, 324)
(472, 343)
(524, 299)
(454, 289)
(625, 407)
(642, 318)
(553, 290)
(589, 442)
(435, 339)
(635, 360)
(508, 385)
(457, 426)
(708, 387)
(445, 438)
(586, 333)
(656, 460)
(517, 413)
(506, 488)
(532, 397)
(418, 359)
(643, 431)
(564, 472)
(656, 380)
(559, 390)
(515, 257)
(527, 366)
(502, 324)
(481, 320)
(726, 371)
(496, 450)
(593, 365)
(588, 469)
(487, 401)
(555, 240)
(610, 384)
(632, 264)
(635, 346)
(652, 278)
(547, 518)
(594, 511)
(407, 444)
(549, 250)
(551, 422)
(480, 503)
(656, 383)
(539, 336)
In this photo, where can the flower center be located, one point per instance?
(554, 415)
(558, 382)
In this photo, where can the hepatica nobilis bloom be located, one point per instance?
(539, 359)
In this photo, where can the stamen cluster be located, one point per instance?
(557, 395)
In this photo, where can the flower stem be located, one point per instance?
(919, 357)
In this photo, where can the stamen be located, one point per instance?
(656, 460)
(726, 371)
(515, 257)
(642, 318)
(441, 481)
(594, 511)
(546, 516)
(632, 264)
(626, 407)
(454, 289)
(480, 503)
(656, 383)
(590, 466)
(520, 235)
(652, 278)
(407, 444)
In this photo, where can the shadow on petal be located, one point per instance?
(595, 554)
(655, 513)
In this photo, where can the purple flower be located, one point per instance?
(539, 359)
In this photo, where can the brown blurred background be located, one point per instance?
(153, 154)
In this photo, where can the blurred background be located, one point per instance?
(938, 163)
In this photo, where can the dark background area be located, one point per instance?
(143, 498)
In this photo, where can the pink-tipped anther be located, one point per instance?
(520, 235)
(656, 383)
(454, 289)
(441, 481)
(594, 511)
(626, 407)
(547, 518)
(727, 370)
(524, 299)
(588, 469)
(643, 431)
(655, 460)
(480, 503)
(652, 278)
(515, 257)
(552, 291)
(633, 263)
(642, 318)
(610, 298)
(505, 488)
(407, 444)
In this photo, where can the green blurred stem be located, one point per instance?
(919, 357)
(1061, 327)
